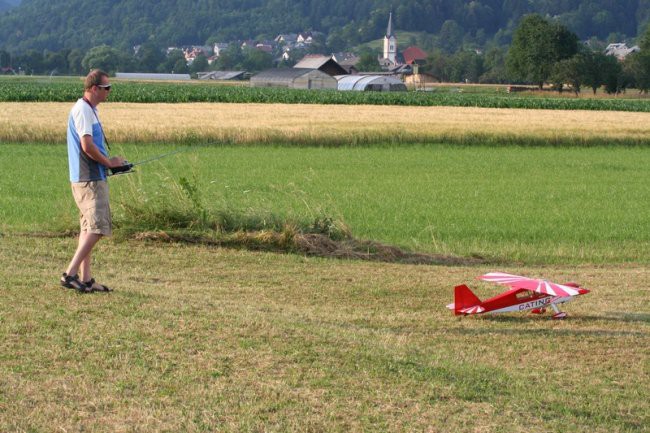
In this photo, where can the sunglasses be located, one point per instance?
(106, 87)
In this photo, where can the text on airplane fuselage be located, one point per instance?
(535, 304)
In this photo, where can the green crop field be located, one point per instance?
(18, 89)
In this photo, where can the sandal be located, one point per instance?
(73, 282)
(96, 287)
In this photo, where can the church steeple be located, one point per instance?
(389, 29)
(390, 41)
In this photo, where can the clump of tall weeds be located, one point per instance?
(178, 213)
(177, 210)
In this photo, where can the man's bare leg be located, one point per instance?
(81, 258)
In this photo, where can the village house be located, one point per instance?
(621, 50)
(287, 38)
(265, 47)
(192, 52)
(414, 55)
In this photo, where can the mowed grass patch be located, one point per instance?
(533, 205)
(207, 339)
(325, 125)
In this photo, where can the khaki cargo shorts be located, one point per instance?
(94, 210)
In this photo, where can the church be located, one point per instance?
(390, 59)
(399, 62)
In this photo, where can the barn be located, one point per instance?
(325, 64)
(377, 83)
(294, 78)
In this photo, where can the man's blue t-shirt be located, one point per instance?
(82, 121)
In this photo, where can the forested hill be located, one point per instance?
(58, 24)
(8, 4)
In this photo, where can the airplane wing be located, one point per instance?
(535, 285)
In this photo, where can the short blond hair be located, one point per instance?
(94, 78)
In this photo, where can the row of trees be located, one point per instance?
(149, 58)
(544, 51)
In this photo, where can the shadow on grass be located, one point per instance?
(608, 316)
(292, 241)
(314, 245)
(547, 332)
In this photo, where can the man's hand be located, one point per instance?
(116, 161)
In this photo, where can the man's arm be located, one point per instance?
(89, 148)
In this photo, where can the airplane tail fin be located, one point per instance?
(465, 301)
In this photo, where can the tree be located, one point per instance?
(465, 66)
(169, 65)
(75, 56)
(180, 67)
(571, 71)
(230, 58)
(596, 66)
(335, 41)
(55, 62)
(149, 57)
(450, 37)
(105, 58)
(5, 59)
(31, 62)
(536, 46)
(368, 61)
(612, 72)
(200, 64)
(257, 60)
(318, 45)
(438, 65)
(638, 64)
(638, 67)
(495, 66)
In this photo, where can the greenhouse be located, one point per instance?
(377, 83)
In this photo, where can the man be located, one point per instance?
(88, 161)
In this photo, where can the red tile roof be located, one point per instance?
(411, 54)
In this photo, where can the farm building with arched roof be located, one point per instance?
(377, 83)
(294, 78)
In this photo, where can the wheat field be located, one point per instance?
(327, 124)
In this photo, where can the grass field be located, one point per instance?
(536, 205)
(201, 338)
(210, 339)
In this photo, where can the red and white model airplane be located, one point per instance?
(526, 294)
